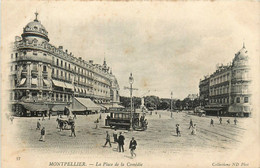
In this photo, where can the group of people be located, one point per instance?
(220, 121)
(192, 126)
(120, 140)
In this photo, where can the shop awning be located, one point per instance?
(34, 81)
(88, 104)
(46, 82)
(59, 83)
(34, 107)
(59, 107)
(69, 86)
(22, 81)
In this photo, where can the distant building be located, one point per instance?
(44, 77)
(204, 91)
(228, 88)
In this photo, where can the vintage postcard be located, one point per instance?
(149, 84)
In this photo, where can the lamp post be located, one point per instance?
(131, 81)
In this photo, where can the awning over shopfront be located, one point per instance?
(46, 82)
(58, 107)
(59, 83)
(34, 107)
(87, 104)
(69, 86)
(239, 108)
(34, 81)
(22, 81)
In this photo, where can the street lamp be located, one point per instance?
(131, 81)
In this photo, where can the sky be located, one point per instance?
(167, 46)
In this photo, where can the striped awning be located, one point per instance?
(59, 83)
(34, 81)
(22, 82)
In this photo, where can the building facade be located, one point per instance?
(229, 88)
(204, 91)
(44, 75)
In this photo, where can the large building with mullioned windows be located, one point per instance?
(48, 78)
(228, 90)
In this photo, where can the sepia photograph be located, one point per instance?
(149, 84)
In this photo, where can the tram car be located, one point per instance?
(120, 118)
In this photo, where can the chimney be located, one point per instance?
(61, 47)
(66, 51)
(70, 53)
(80, 58)
(91, 61)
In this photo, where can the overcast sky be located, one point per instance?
(167, 46)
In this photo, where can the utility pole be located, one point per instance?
(171, 103)
(131, 81)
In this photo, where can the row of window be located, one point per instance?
(219, 100)
(219, 90)
(219, 79)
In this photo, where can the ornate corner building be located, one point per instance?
(43, 76)
(228, 90)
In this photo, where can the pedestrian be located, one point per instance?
(49, 115)
(100, 117)
(43, 117)
(42, 138)
(75, 115)
(132, 147)
(107, 139)
(38, 125)
(228, 121)
(121, 143)
(220, 120)
(171, 114)
(160, 116)
(73, 130)
(193, 132)
(191, 123)
(235, 121)
(61, 125)
(97, 123)
(211, 122)
(178, 130)
(11, 119)
(115, 136)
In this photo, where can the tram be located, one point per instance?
(120, 118)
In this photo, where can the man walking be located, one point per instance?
(228, 121)
(235, 121)
(132, 147)
(73, 130)
(115, 136)
(107, 139)
(38, 126)
(220, 120)
(178, 130)
(42, 138)
(121, 143)
(211, 122)
(191, 123)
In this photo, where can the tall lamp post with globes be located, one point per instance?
(131, 81)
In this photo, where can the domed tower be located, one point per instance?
(240, 84)
(35, 31)
(32, 67)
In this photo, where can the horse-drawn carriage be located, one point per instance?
(65, 123)
(121, 118)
